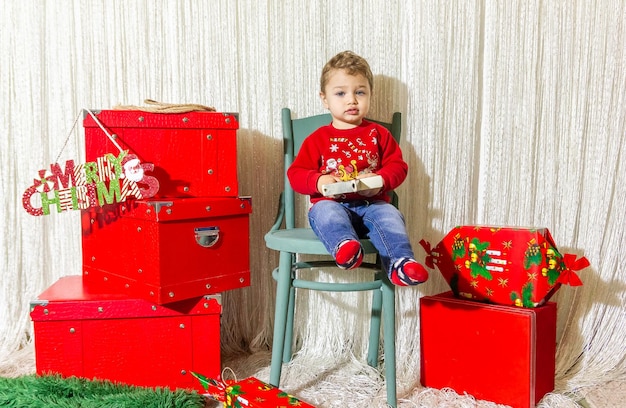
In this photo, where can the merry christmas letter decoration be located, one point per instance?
(108, 180)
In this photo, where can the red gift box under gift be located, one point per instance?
(503, 265)
(250, 392)
(497, 353)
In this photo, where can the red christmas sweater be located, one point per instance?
(368, 148)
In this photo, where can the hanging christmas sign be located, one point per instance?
(108, 180)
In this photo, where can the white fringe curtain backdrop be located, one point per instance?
(514, 114)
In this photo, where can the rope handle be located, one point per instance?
(163, 107)
(155, 107)
(231, 371)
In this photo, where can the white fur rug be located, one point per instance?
(610, 395)
(351, 383)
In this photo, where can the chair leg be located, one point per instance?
(280, 317)
(389, 321)
(374, 340)
(288, 346)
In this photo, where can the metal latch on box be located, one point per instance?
(207, 236)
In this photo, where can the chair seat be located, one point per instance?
(304, 241)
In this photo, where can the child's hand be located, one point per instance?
(325, 179)
(371, 192)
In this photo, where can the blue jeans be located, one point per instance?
(334, 222)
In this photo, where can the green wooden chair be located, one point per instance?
(291, 241)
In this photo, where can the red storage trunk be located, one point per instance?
(84, 333)
(503, 354)
(194, 154)
(168, 250)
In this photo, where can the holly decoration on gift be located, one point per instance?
(503, 265)
(478, 259)
(526, 299)
(553, 267)
(224, 391)
(458, 247)
(291, 400)
(232, 396)
(532, 256)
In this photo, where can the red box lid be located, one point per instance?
(164, 210)
(141, 119)
(70, 298)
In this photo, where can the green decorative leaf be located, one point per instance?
(458, 249)
(527, 295)
(204, 381)
(479, 270)
(531, 260)
(553, 275)
(235, 390)
(480, 246)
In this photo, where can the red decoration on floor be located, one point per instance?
(250, 392)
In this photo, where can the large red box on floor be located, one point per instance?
(503, 354)
(194, 154)
(168, 250)
(84, 333)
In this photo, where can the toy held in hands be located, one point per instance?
(352, 186)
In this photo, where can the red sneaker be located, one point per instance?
(349, 254)
(407, 272)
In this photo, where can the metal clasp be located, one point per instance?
(207, 236)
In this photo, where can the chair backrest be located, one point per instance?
(294, 133)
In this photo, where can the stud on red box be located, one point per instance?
(194, 154)
(503, 265)
(168, 250)
(497, 353)
(80, 331)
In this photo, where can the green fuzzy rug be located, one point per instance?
(51, 391)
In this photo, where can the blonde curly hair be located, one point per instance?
(352, 63)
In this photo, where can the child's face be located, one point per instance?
(347, 97)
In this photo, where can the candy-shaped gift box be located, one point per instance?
(81, 331)
(503, 265)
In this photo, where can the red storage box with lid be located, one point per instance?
(504, 354)
(168, 250)
(194, 154)
(82, 332)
